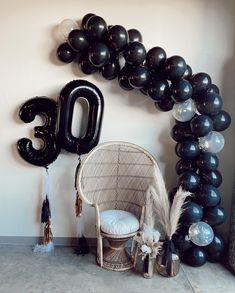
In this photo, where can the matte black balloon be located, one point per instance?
(134, 35)
(192, 213)
(99, 54)
(201, 125)
(123, 78)
(213, 89)
(212, 177)
(188, 149)
(195, 257)
(200, 82)
(65, 53)
(96, 28)
(155, 58)
(188, 72)
(135, 53)
(86, 66)
(182, 242)
(181, 90)
(221, 121)
(189, 181)
(183, 166)
(209, 103)
(117, 38)
(158, 90)
(85, 19)
(217, 245)
(78, 40)
(174, 67)
(208, 195)
(111, 69)
(165, 104)
(50, 150)
(181, 132)
(68, 96)
(207, 161)
(214, 216)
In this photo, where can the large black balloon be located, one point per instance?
(188, 149)
(68, 96)
(200, 82)
(50, 150)
(165, 104)
(86, 66)
(188, 72)
(111, 69)
(212, 177)
(139, 77)
(135, 53)
(181, 90)
(221, 121)
(207, 161)
(65, 53)
(214, 215)
(195, 257)
(134, 35)
(78, 40)
(155, 58)
(123, 78)
(96, 28)
(209, 103)
(181, 132)
(189, 181)
(208, 195)
(192, 213)
(183, 166)
(201, 125)
(85, 19)
(117, 38)
(99, 54)
(158, 89)
(181, 241)
(174, 67)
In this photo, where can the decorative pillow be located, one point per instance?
(118, 222)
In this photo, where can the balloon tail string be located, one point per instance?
(78, 202)
(48, 236)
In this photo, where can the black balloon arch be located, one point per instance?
(169, 82)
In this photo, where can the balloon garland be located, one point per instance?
(197, 109)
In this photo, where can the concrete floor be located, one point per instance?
(62, 271)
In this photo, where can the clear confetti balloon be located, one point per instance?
(201, 233)
(63, 29)
(213, 142)
(184, 111)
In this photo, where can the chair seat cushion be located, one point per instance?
(117, 222)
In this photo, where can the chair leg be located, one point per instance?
(100, 250)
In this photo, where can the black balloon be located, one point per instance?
(181, 132)
(188, 149)
(213, 89)
(192, 213)
(155, 58)
(221, 121)
(96, 28)
(189, 181)
(200, 82)
(214, 215)
(212, 177)
(135, 53)
(216, 246)
(174, 67)
(158, 89)
(111, 69)
(85, 19)
(195, 257)
(188, 72)
(123, 78)
(183, 166)
(181, 90)
(215, 257)
(86, 66)
(117, 38)
(201, 125)
(68, 96)
(165, 104)
(135, 36)
(50, 150)
(139, 77)
(181, 241)
(65, 53)
(78, 40)
(99, 54)
(209, 103)
(207, 161)
(208, 195)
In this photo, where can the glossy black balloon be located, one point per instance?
(195, 257)
(181, 90)
(207, 161)
(99, 54)
(213, 89)
(134, 35)
(165, 104)
(85, 19)
(174, 67)
(193, 213)
(181, 241)
(155, 58)
(188, 149)
(181, 132)
(200, 82)
(214, 215)
(189, 181)
(139, 77)
(201, 125)
(117, 38)
(212, 177)
(65, 53)
(78, 40)
(135, 53)
(188, 72)
(221, 121)
(208, 195)
(183, 166)
(111, 69)
(158, 89)
(123, 78)
(217, 245)
(86, 66)
(209, 103)
(50, 150)
(68, 96)
(96, 28)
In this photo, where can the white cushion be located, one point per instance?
(118, 222)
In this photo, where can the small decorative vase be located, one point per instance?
(148, 266)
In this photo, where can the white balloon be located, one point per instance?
(201, 233)
(184, 111)
(213, 142)
(63, 29)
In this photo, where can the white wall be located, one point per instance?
(200, 31)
